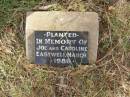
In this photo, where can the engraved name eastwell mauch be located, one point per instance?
(61, 48)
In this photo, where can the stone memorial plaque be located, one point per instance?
(39, 22)
(61, 48)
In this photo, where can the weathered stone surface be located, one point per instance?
(62, 21)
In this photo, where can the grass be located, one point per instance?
(109, 77)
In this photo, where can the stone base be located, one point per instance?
(62, 21)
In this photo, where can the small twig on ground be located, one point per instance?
(109, 52)
(44, 8)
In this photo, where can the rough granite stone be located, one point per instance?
(62, 21)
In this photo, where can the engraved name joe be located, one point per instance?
(61, 47)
